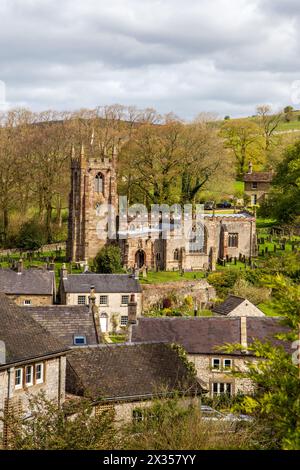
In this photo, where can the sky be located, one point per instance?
(181, 56)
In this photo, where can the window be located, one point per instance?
(79, 340)
(176, 255)
(216, 363)
(144, 414)
(220, 388)
(158, 256)
(27, 302)
(18, 378)
(254, 185)
(103, 300)
(81, 300)
(254, 199)
(125, 299)
(227, 364)
(29, 375)
(99, 183)
(198, 239)
(39, 373)
(233, 240)
(124, 320)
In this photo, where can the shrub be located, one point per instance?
(31, 236)
(109, 260)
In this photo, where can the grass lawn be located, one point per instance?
(117, 338)
(170, 276)
(264, 223)
(267, 309)
(239, 187)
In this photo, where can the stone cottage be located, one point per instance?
(257, 185)
(28, 286)
(31, 361)
(235, 306)
(202, 336)
(127, 377)
(115, 295)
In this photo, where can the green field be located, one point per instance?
(170, 276)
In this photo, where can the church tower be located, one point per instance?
(93, 192)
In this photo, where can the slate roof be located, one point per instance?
(127, 372)
(228, 305)
(106, 283)
(259, 176)
(23, 337)
(65, 321)
(28, 282)
(203, 335)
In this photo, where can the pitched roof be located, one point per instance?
(65, 321)
(23, 337)
(127, 371)
(201, 335)
(228, 305)
(259, 176)
(106, 283)
(29, 281)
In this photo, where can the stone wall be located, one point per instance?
(200, 290)
(53, 386)
(36, 300)
(203, 364)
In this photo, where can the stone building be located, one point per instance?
(31, 361)
(127, 377)
(146, 243)
(257, 185)
(116, 295)
(28, 286)
(235, 306)
(202, 336)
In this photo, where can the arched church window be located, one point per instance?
(198, 239)
(99, 183)
(176, 254)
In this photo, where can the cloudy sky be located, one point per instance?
(185, 56)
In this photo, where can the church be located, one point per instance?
(94, 197)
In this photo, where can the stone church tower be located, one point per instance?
(93, 186)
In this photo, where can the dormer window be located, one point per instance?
(99, 183)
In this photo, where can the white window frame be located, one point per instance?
(124, 304)
(124, 324)
(29, 384)
(81, 297)
(212, 363)
(27, 302)
(20, 385)
(41, 379)
(102, 297)
(227, 367)
(79, 336)
(225, 384)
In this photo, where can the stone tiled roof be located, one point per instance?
(28, 282)
(228, 305)
(259, 176)
(23, 337)
(127, 371)
(65, 321)
(203, 335)
(106, 283)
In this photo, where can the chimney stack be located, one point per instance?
(250, 168)
(94, 309)
(63, 272)
(132, 310)
(244, 340)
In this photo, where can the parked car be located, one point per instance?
(224, 205)
(209, 205)
(209, 414)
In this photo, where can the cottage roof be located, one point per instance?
(27, 282)
(259, 176)
(128, 371)
(106, 283)
(22, 337)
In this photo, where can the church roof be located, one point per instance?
(106, 283)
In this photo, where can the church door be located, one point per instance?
(140, 259)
